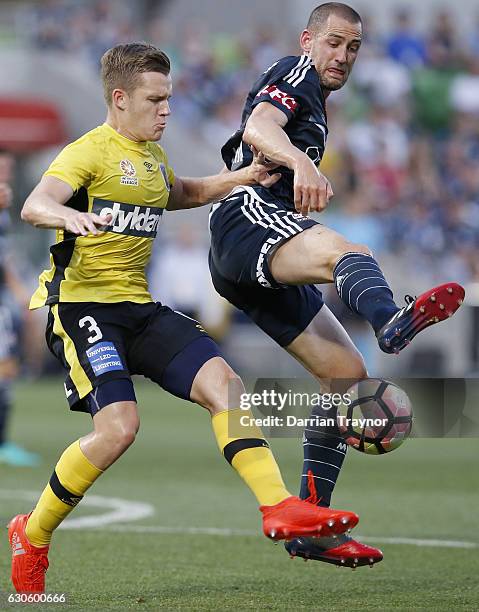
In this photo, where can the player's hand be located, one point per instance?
(83, 224)
(5, 195)
(312, 190)
(260, 168)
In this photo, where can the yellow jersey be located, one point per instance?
(108, 174)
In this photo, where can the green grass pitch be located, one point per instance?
(428, 489)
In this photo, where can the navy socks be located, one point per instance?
(323, 458)
(362, 287)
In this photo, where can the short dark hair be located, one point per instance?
(121, 66)
(320, 14)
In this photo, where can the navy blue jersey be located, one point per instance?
(292, 85)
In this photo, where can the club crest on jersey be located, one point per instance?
(129, 219)
(129, 172)
(165, 177)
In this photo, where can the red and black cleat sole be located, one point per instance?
(433, 306)
(307, 550)
(341, 561)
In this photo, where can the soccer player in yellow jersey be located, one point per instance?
(105, 194)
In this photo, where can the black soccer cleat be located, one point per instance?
(435, 305)
(342, 551)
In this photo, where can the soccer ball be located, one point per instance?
(375, 416)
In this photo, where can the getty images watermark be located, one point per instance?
(282, 408)
(443, 407)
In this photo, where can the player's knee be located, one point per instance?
(123, 439)
(343, 247)
(120, 437)
(230, 389)
(126, 438)
(349, 369)
(323, 261)
(224, 394)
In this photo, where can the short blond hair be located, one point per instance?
(121, 66)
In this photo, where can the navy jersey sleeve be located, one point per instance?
(289, 86)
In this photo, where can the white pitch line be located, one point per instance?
(420, 542)
(226, 532)
(216, 531)
(123, 511)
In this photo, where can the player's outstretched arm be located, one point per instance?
(264, 130)
(194, 192)
(45, 207)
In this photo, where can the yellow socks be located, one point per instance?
(242, 445)
(73, 475)
(245, 448)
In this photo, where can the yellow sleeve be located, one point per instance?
(76, 164)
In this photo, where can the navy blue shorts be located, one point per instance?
(100, 343)
(246, 228)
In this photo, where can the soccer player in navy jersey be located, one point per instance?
(105, 194)
(267, 254)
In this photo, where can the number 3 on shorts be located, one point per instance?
(93, 329)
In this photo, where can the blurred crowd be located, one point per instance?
(403, 147)
(403, 152)
(83, 28)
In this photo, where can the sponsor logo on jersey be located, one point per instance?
(129, 219)
(129, 180)
(129, 172)
(148, 166)
(276, 94)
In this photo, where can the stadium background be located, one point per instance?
(403, 157)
